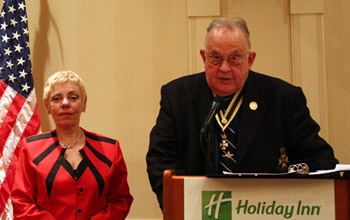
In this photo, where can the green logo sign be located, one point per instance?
(216, 205)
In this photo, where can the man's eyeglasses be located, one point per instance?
(216, 59)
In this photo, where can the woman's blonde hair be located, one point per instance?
(61, 77)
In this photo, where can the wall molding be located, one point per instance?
(308, 57)
(200, 13)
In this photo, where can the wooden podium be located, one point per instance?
(173, 195)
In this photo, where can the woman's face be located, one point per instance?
(65, 104)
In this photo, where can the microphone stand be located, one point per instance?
(206, 139)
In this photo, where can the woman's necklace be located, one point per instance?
(68, 146)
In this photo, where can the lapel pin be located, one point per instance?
(253, 105)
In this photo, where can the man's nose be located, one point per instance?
(225, 66)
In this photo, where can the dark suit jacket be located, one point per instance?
(282, 119)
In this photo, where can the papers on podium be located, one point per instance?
(337, 169)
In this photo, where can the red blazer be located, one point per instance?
(46, 186)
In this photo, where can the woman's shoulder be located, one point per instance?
(34, 145)
(98, 137)
(41, 136)
(103, 147)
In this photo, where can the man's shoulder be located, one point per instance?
(186, 88)
(270, 81)
(270, 87)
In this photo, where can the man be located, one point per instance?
(264, 127)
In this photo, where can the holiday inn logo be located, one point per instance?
(216, 205)
(219, 205)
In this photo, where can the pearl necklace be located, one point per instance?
(68, 146)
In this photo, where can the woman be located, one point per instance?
(70, 173)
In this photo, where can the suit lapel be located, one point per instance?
(250, 118)
(201, 96)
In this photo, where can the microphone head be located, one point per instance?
(218, 101)
(216, 105)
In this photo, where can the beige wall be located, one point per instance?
(125, 51)
(337, 19)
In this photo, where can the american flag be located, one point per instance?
(19, 115)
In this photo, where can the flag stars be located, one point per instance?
(5, 38)
(3, 26)
(25, 31)
(18, 48)
(21, 62)
(13, 22)
(24, 19)
(25, 88)
(12, 9)
(9, 64)
(8, 52)
(15, 36)
(21, 6)
(23, 74)
(14, 52)
(12, 78)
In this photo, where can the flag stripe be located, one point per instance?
(22, 119)
(6, 187)
(6, 99)
(3, 86)
(10, 118)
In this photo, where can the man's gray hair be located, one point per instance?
(230, 24)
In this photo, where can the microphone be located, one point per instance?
(216, 105)
(205, 135)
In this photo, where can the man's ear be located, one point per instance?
(202, 52)
(251, 59)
